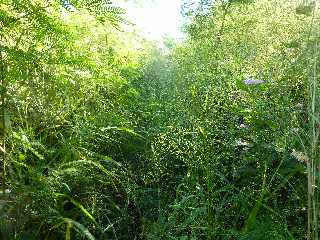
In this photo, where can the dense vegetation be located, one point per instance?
(106, 136)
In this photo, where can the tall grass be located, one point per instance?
(313, 164)
(2, 121)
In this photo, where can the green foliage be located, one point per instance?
(105, 136)
(231, 140)
(63, 185)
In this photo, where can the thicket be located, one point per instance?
(106, 136)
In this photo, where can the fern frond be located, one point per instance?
(104, 10)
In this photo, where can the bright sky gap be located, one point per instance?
(156, 18)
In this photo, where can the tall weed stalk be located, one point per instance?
(313, 165)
